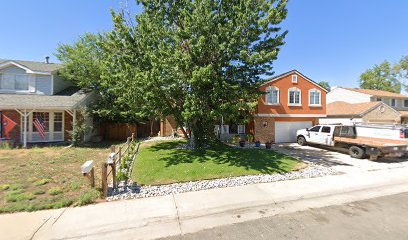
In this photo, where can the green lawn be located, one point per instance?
(162, 163)
(48, 177)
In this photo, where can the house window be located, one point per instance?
(294, 97)
(58, 122)
(224, 129)
(393, 103)
(315, 97)
(294, 79)
(43, 117)
(17, 82)
(272, 95)
(379, 99)
(241, 129)
(406, 103)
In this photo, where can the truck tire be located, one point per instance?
(301, 140)
(356, 152)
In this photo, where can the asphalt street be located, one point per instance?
(377, 218)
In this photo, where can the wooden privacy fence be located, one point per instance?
(114, 160)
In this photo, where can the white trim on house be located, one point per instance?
(294, 78)
(315, 90)
(289, 115)
(292, 72)
(50, 135)
(295, 89)
(9, 63)
(273, 88)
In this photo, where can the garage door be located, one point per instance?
(286, 131)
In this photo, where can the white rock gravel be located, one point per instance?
(132, 190)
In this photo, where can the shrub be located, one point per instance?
(18, 196)
(236, 139)
(39, 192)
(4, 186)
(54, 191)
(42, 182)
(88, 197)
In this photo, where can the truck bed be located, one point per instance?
(372, 142)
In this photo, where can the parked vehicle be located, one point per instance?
(397, 132)
(346, 137)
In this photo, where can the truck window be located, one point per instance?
(347, 131)
(326, 129)
(314, 129)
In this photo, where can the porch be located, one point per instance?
(40, 118)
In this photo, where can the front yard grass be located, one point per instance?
(48, 177)
(163, 163)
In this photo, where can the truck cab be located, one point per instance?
(323, 134)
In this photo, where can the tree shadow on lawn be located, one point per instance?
(261, 160)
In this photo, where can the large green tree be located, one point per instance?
(325, 85)
(198, 61)
(84, 64)
(381, 77)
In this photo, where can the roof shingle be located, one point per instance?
(349, 109)
(35, 66)
(378, 93)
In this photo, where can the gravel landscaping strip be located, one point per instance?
(132, 190)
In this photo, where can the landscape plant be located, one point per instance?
(197, 61)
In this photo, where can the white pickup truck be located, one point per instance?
(345, 137)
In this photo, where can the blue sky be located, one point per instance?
(328, 40)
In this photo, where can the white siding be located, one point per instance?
(345, 121)
(14, 70)
(43, 84)
(341, 94)
(60, 84)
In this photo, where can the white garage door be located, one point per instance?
(286, 131)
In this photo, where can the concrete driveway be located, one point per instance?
(338, 159)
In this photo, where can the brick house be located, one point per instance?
(291, 101)
(34, 90)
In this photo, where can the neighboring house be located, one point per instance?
(367, 112)
(291, 101)
(31, 91)
(354, 95)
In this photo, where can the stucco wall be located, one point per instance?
(284, 84)
(344, 95)
(384, 115)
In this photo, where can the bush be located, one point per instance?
(18, 196)
(42, 182)
(39, 192)
(54, 191)
(4, 187)
(88, 197)
(236, 139)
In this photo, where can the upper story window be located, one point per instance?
(295, 97)
(294, 79)
(15, 82)
(272, 96)
(315, 97)
(379, 100)
(393, 103)
(406, 103)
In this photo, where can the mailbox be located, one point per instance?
(111, 158)
(87, 167)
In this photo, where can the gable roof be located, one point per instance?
(32, 65)
(378, 93)
(70, 98)
(292, 72)
(344, 109)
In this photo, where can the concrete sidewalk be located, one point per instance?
(151, 218)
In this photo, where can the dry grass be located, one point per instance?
(47, 177)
